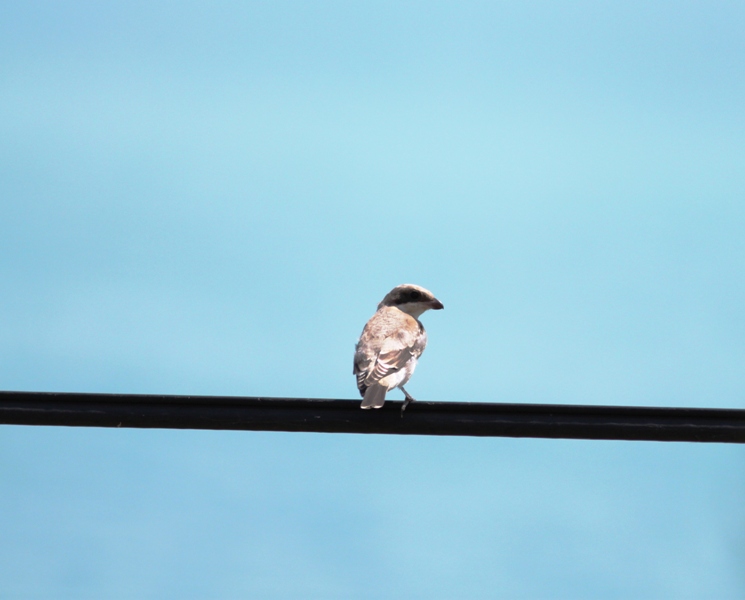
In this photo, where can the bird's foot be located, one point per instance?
(409, 400)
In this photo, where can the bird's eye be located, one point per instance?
(415, 295)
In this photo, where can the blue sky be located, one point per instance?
(212, 198)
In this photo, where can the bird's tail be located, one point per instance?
(374, 396)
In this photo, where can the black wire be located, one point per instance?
(345, 416)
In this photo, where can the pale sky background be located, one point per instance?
(211, 198)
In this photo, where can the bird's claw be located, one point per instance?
(406, 403)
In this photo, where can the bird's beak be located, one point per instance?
(436, 304)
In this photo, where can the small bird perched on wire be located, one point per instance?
(391, 343)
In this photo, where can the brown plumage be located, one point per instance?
(391, 343)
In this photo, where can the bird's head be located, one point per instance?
(411, 299)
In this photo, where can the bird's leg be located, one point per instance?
(409, 400)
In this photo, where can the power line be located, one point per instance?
(344, 416)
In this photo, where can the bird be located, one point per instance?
(391, 343)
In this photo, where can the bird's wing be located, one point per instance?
(390, 339)
(361, 366)
(395, 352)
